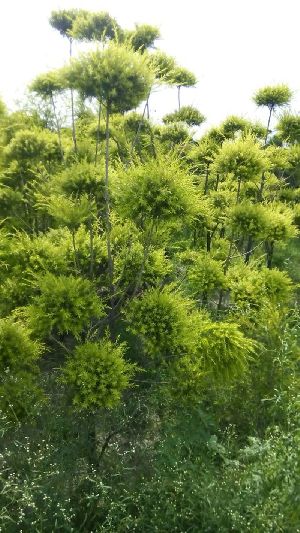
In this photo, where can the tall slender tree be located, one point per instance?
(272, 97)
(63, 21)
(120, 79)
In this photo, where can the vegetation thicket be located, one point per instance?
(149, 323)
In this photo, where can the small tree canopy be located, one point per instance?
(63, 20)
(288, 128)
(65, 304)
(117, 76)
(243, 158)
(95, 26)
(98, 374)
(183, 77)
(143, 37)
(33, 146)
(238, 125)
(47, 84)
(18, 351)
(273, 96)
(156, 191)
(163, 66)
(249, 219)
(188, 114)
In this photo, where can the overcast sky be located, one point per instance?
(233, 46)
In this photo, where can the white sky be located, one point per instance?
(233, 46)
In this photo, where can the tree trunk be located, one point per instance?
(238, 192)
(139, 127)
(248, 251)
(263, 176)
(231, 241)
(208, 240)
(93, 458)
(91, 232)
(57, 125)
(268, 125)
(98, 134)
(270, 253)
(107, 208)
(72, 108)
(206, 180)
(74, 250)
(178, 97)
(217, 182)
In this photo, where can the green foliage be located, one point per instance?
(233, 126)
(160, 318)
(157, 191)
(47, 84)
(280, 224)
(293, 165)
(246, 289)
(63, 305)
(80, 179)
(143, 37)
(183, 77)
(117, 76)
(288, 128)
(224, 349)
(273, 96)
(63, 20)
(33, 146)
(98, 374)
(188, 114)
(17, 349)
(242, 158)
(257, 490)
(95, 26)
(205, 275)
(142, 256)
(277, 285)
(256, 290)
(203, 154)
(174, 134)
(163, 66)
(20, 393)
(249, 219)
(3, 109)
(19, 386)
(69, 212)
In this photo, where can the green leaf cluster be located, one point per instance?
(188, 114)
(63, 305)
(98, 374)
(117, 76)
(156, 191)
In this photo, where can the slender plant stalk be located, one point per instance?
(91, 232)
(208, 240)
(206, 179)
(57, 125)
(263, 176)
(74, 250)
(72, 107)
(138, 130)
(107, 206)
(98, 134)
(270, 253)
(145, 258)
(227, 260)
(248, 250)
